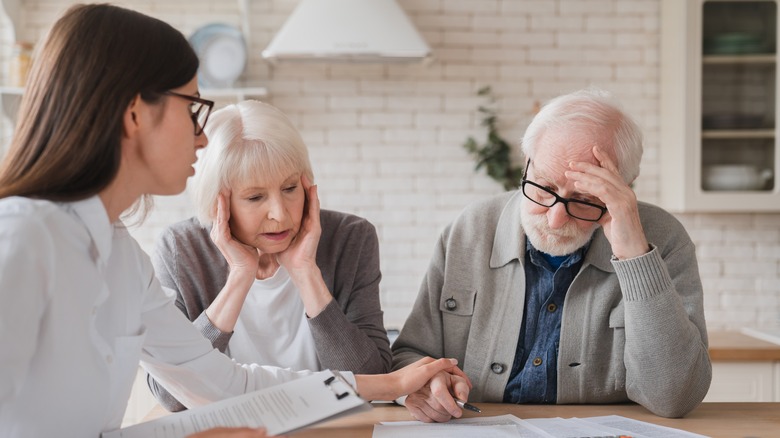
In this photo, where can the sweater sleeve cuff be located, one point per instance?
(329, 317)
(219, 339)
(643, 277)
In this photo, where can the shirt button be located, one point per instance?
(552, 307)
(537, 361)
(497, 368)
(451, 304)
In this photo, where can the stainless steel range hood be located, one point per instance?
(348, 30)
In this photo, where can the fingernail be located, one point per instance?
(454, 361)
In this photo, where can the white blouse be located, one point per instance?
(80, 308)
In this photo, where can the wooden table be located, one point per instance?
(727, 420)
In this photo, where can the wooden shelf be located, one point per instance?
(737, 133)
(238, 93)
(11, 91)
(740, 59)
(9, 96)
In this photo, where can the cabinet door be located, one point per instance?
(777, 382)
(741, 382)
(719, 97)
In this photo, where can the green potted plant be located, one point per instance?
(495, 153)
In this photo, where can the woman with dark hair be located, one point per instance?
(111, 115)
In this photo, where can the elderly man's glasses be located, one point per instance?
(545, 197)
(200, 109)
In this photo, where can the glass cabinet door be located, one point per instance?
(738, 77)
(719, 118)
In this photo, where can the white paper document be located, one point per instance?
(641, 429)
(611, 426)
(445, 430)
(497, 426)
(572, 428)
(280, 409)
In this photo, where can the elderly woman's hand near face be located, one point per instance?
(242, 261)
(300, 258)
(301, 255)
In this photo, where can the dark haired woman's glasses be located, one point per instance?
(200, 109)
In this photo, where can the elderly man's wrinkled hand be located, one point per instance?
(621, 224)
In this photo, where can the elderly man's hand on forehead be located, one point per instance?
(621, 224)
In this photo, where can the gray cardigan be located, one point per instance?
(349, 334)
(631, 330)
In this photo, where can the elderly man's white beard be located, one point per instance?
(558, 242)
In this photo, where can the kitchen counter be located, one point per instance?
(736, 346)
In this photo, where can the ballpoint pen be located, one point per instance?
(468, 406)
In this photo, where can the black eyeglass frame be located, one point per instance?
(558, 198)
(208, 103)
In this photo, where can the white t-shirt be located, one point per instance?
(272, 327)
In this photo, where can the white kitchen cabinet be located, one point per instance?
(9, 101)
(744, 382)
(777, 381)
(719, 140)
(745, 367)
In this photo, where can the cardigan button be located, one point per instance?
(497, 368)
(451, 304)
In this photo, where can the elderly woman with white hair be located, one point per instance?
(265, 274)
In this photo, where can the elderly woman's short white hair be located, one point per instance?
(248, 141)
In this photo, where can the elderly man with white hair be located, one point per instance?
(567, 290)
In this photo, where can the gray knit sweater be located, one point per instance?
(632, 330)
(349, 333)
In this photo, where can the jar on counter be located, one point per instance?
(21, 59)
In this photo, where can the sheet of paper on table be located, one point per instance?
(512, 426)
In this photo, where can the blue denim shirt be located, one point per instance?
(534, 377)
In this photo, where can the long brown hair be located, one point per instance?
(94, 61)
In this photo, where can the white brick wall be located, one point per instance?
(386, 139)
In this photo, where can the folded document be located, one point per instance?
(281, 409)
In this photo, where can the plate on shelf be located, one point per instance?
(222, 53)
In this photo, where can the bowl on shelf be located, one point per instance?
(736, 43)
(735, 177)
